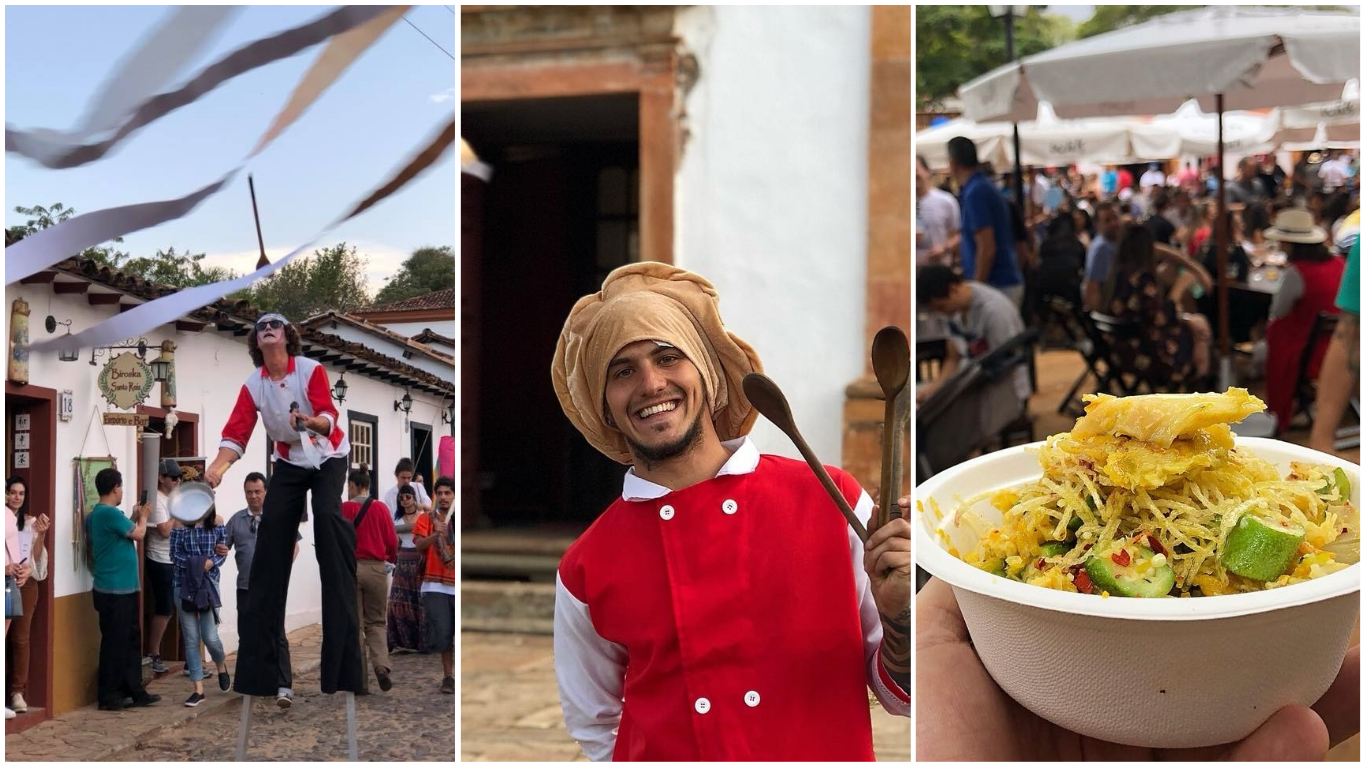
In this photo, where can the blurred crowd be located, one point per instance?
(1135, 246)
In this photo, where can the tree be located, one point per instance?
(956, 43)
(43, 218)
(426, 271)
(1108, 18)
(181, 270)
(331, 278)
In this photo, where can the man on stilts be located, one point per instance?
(284, 390)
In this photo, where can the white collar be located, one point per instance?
(744, 458)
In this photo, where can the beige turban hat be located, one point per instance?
(650, 301)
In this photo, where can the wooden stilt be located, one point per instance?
(244, 728)
(351, 725)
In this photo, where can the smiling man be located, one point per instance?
(721, 609)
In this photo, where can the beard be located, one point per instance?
(655, 454)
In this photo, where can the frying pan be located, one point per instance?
(190, 502)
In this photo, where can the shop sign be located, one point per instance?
(126, 380)
(126, 419)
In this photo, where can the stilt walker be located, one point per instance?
(292, 397)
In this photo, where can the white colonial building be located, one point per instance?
(398, 402)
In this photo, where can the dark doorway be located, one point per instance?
(32, 412)
(560, 211)
(422, 453)
(182, 441)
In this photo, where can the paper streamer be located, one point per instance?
(41, 250)
(339, 54)
(60, 154)
(44, 248)
(167, 309)
(141, 73)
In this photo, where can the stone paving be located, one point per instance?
(412, 722)
(510, 706)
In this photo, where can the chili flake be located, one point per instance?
(1121, 557)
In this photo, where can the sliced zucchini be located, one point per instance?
(1261, 549)
(1055, 549)
(1344, 485)
(995, 566)
(1142, 576)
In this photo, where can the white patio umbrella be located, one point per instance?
(1226, 57)
(1045, 141)
(1335, 121)
(1190, 131)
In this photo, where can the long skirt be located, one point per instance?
(406, 625)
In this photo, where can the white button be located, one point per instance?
(702, 706)
(752, 698)
(729, 506)
(666, 512)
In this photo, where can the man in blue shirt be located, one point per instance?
(988, 239)
(1100, 257)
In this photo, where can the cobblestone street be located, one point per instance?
(510, 706)
(412, 722)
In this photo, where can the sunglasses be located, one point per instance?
(272, 324)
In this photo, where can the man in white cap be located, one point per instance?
(721, 609)
(287, 388)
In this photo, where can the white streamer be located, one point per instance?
(167, 309)
(39, 146)
(41, 250)
(137, 78)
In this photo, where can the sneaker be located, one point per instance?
(157, 666)
(194, 699)
(385, 682)
(147, 700)
(224, 681)
(284, 698)
(9, 713)
(185, 671)
(20, 705)
(448, 685)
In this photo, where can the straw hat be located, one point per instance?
(1295, 225)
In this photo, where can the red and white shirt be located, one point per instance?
(305, 383)
(730, 620)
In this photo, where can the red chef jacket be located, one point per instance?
(730, 620)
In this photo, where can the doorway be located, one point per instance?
(561, 211)
(30, 454)
(421, 439)
(181, 441)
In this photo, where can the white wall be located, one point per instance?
(391, 348)
(210, 369)
(771, 196)
(443, 327)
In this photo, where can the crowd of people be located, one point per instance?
(1143, 252)
(405, 580)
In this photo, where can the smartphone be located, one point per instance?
(142, 500)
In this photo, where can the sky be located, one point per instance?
(1077, 13)
(371, 121)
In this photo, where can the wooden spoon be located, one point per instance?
(765, 396)
(892, 366)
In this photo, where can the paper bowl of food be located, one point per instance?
(1149, 578)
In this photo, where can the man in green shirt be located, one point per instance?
(114, 555)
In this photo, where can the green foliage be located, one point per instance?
(43, 218)
(956, 43)
(332, 278)
(1108, 18)
(426, 271)
(180, 270)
